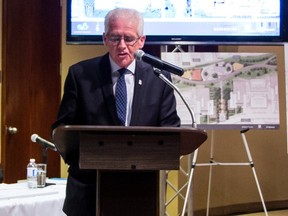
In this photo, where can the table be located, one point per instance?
(18, 200)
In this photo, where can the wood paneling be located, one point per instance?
(31, 82)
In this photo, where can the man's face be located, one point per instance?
(123, 40)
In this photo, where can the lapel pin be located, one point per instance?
(140, 82)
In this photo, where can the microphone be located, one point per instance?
(38, 139)
(158, 63)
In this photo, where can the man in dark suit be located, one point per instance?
(89, 98)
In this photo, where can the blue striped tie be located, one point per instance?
(121, 96)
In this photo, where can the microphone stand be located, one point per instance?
(44, 154)
(158, 73)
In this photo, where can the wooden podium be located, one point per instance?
(127, 160)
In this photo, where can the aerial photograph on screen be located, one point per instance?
(170, 17)
(228, 90)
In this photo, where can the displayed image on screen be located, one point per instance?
(184, 21)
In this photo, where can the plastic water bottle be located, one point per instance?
(32, 174)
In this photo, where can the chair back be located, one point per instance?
(1, 174)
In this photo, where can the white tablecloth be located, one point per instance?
(18, 200)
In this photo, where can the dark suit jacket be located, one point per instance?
(89, 100)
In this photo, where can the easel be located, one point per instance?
(215, 163)
(188, 200)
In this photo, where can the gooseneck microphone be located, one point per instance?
(45, 143)
(158, 63)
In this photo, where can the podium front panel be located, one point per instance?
(134, 151)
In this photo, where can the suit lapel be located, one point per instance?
(107, 87)
(140, 78)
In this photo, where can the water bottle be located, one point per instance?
(32, 174)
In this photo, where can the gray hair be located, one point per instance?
(127, 13)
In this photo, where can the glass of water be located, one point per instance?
(41, 175)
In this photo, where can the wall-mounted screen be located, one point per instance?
(228, 90)
(186, 21)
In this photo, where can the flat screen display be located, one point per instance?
(186, 21)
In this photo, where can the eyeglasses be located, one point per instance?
(129, 40)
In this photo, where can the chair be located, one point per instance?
(1, 174)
